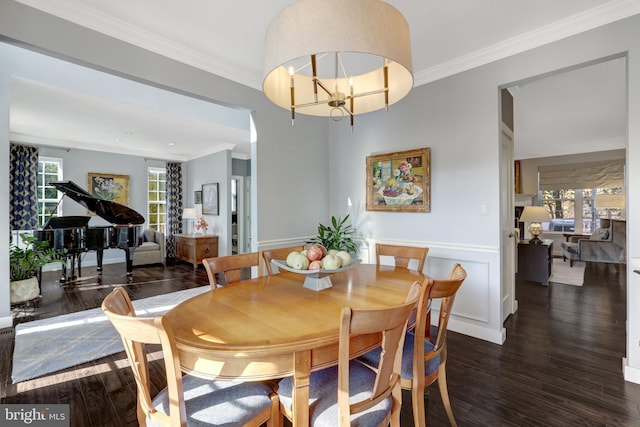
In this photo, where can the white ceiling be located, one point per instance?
(226, 38)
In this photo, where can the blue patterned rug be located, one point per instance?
(49, 345)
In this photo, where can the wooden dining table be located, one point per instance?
(272, 327)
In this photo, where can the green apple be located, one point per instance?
(299, 262)
(345, 257)
(290, 258)
(331, 262)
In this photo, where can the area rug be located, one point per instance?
(49, 345)
(563, 274)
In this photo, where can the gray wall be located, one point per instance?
(211, 169)
(306, 173)
(459, 119)
(288, 161)
(240, 167)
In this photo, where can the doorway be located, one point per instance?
(240, 214)
(569, 116)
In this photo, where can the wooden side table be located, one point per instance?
(193, 249)
(535, 261)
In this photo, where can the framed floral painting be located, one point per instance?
(108, 186)
(399, 182)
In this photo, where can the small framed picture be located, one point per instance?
(210, 199)
(197, 197)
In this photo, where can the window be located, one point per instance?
(49, 170)
(570, 192)
(157, 199)
(575, 211)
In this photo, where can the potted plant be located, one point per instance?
(24, 262)
(336, 236)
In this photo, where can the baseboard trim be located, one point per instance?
(479, 332)
(6, 322)
(631, 374)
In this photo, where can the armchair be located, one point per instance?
(151, 251)
(607, 245)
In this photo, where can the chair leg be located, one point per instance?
(418, 396)
(142, 417)
(444, 393)
(396, 395)
(276, 419)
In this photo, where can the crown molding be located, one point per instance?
(118, 29)
(68, 145)
(587, 20)
(76, 12)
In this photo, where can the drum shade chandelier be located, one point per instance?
(337, 58)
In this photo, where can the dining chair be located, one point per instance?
(402, 254)
(423, 364)
(187, 400)
(232, 268)
(278, 253)
(351, 393)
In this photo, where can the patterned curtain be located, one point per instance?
(174, 206)
(23, 192)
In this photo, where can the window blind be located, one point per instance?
(601, 174)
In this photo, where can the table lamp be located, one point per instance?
(190, 215)
(535, 215)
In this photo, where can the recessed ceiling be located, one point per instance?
(47, 115)
(578, 111)
(226, 38)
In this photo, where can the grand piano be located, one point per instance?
(75, 235)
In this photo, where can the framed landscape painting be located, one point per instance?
(108, 186)
(399, 182)
(210, 199)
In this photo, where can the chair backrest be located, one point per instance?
(278, 253)
(135, 333)
(402, 254)
(231, 267)
(392, 323)
(444, 289)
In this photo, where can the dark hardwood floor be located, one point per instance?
(560, 366)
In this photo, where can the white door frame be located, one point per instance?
(507, 225)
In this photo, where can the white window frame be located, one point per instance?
(160, 201)
(580, 226)
(42, 216)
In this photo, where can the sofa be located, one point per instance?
(151, 251)
(607, 244)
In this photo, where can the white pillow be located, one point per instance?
(149, 235)
(600, 234)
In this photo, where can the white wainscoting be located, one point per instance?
(476, 311)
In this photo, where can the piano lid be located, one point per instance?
(113, 212)
(55, 222)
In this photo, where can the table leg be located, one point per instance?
(300, 392)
